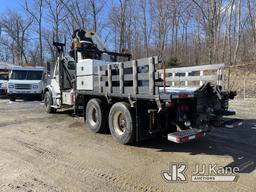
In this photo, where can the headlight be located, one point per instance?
(4, 85)
(35, 86)
(10, 86)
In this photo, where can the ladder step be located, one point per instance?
(225, 113)
(186, 135)
(233, 123)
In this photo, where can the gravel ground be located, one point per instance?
(43, 152)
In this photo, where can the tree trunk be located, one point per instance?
(239, 31)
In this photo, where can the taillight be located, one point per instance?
(184, 108)
(183, 96)
(182, 139)
(200, 135)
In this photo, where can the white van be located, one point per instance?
(3, 81)
(26, 83)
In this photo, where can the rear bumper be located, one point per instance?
(186, 135)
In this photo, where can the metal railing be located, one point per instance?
(244, 86)
(193, 76)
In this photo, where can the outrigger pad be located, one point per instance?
(186, 135)
(233, 123)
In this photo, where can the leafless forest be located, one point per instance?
(183, 32)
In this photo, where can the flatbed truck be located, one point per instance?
(130, 98)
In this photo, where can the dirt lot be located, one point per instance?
(42, 152)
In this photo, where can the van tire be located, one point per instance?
(12, 98)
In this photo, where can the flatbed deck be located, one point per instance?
(142, 79)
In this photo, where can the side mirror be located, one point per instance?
(45, 76)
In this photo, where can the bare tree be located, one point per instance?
(251, 7)
(118, 19)
(229, 31)
(95, 9)
(55, 18)
(36, 13)
(15, 28)
(238, 15)
(77, 14)
(210, 11)
(194, 32)
(146, 23)
(161, 18)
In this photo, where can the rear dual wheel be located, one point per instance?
(120, 120)
(96, 116)
(122, 123)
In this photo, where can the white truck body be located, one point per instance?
(26, 82)
(85, 81)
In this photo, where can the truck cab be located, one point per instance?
(26, 83)
(3, 81)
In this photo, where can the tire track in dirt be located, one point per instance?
(83, 171)
(27, 180)
(29, 185)
(28, 120)
(30, 164)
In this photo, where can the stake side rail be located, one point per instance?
(194, 75)
(137, 79)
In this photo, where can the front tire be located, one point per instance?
(122, 123)
(96, 116)
(48, 101)
(12, 98)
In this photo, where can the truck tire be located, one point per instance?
(48, 102)
(96, 116)
(122, 123)
(12, 98)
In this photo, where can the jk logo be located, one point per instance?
(176, 173)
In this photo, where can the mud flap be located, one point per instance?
(186, 135)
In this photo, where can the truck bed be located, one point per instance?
(135, 79)
(177, 90)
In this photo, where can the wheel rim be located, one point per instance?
(93, 116)
(119, 122)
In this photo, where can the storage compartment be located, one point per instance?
(67, 97)
(85, 82)
(85, 66)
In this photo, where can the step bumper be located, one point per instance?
(186, 135)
